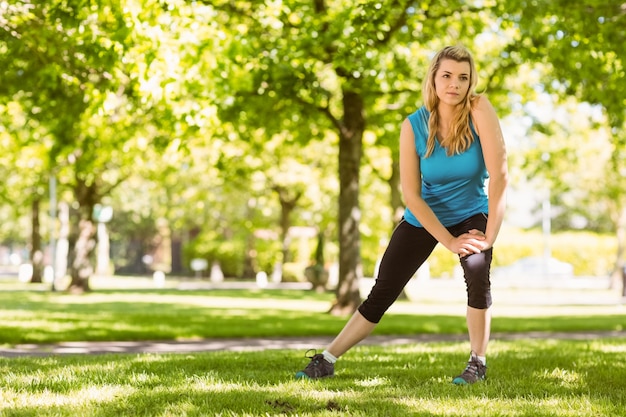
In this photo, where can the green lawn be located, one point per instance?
(121, 315)
(526, 377)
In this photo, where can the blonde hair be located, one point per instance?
(460, 137)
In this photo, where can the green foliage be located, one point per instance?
(338, 67)
(229, 253)
(371, 252)
(584, 43)
(294, 271)
(442, 263)
(590, 253)
(582, 46)
(267, 254)
(214, 113)
(132, 234)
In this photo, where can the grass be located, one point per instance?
(526, 377)
(123, 315)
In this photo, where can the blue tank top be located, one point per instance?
(452, 186)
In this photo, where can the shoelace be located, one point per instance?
(472, 367)
(306, 354)
(314, 361)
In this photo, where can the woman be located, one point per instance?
(448, 149)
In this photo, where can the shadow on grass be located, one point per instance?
(35, 317)
(529, 378)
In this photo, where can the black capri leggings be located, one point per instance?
(408, 249)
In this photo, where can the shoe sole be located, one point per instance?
(302, 375)
(461, 381)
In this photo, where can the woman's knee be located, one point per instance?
(479, 299)
(380, 298)
(476, 270)
(371, 315)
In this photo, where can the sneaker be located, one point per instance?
(317, 368)
(474, 372)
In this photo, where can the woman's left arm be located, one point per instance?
(494, 153)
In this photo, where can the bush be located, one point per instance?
(267, 253)
(229, 253)
(294, 271)
(591, 254)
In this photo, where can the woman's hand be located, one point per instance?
(473, 241)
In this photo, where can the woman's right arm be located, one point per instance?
(411, 182)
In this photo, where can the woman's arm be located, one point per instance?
(411, 182)
(494, 153)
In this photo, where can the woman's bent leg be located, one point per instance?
(479, 329)
(476, 269)
(476, 272)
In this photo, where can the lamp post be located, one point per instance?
(546, 222)
(102, 214)
(52, 190)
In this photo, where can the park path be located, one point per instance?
(258, 344)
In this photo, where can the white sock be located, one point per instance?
(329, 356)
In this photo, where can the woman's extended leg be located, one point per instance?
(355, 330)
(408, 248)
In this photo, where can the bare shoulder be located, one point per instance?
(484, 115)
(482, 106)
(406, 128)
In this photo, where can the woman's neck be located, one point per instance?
(446, 116)
(446, 112)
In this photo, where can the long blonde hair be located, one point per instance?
(460, 137)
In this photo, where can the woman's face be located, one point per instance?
(452, 81)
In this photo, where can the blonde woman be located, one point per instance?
(448, 149)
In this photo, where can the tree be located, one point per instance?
(101, 78)
(584, 44)
(24, 168)
(334, 65)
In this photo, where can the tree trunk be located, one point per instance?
(287, 205)
(82, 264)
(177, 251)
(350, 144)
(36, 254)
(162, 243)
(82, 256)
(249, 261)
